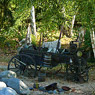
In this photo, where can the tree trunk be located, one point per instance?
(92, 35)
(73, 21)
(28, 36)
(33, 21)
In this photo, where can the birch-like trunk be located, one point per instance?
(28, 36)
(33, 21)
(92, 35)
(72, 25)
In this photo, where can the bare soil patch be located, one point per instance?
(87, 88)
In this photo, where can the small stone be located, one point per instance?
(60, 90)
(61, 93)
(55, 92)
(8, 91)
(7, 74)
(50, 92)
(41, 88)
(2, 85)
(5, 80)
(73, 90)
(19, 86)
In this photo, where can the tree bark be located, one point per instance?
(92, 35)
(28, 36)
(33, 21)
(72, 25)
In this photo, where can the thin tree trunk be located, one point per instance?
(73, 21)
(33, 21)
(92, 35)
(28, 36)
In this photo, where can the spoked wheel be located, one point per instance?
(79, 68)
(21, 62)
(83, 69)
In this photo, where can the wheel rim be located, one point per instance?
(16, 65)
(20, 62)
(79, 68)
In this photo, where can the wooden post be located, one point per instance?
(40, 40)
(59, 38)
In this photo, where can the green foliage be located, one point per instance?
(6, 17)
(34, 42)
(50, 15)
(11, 44)
(86, 12)
(8, 43)
(2, 40)
(87, 42)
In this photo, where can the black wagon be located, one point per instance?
(36, 59)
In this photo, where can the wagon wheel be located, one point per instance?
(33, 56)
(79, 68)
(21, 62)
(83, 68)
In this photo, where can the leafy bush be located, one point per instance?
(87, 42)
(11, 44)
(2, 40)
(33, 40)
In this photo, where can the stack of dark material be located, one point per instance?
(52, 86)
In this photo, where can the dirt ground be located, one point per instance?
(87, 88)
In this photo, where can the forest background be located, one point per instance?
(50, 15)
